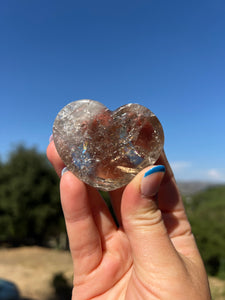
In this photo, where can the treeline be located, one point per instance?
(30, 209)
(206, 212)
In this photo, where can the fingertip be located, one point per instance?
(64, 170)
(49, 150)
(142, 218)
(139, 195)
(71, 191)
(132, 198)
(135, 183)
(151, 181)
(69, 181)
(51, 138)
(54, 158)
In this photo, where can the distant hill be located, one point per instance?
(191, 187)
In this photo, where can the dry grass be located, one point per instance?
(217, 287)
(32, 270)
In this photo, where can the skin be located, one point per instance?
(151, 255)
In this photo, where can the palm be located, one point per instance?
(110, 278)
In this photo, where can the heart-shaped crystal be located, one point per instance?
(104, 148)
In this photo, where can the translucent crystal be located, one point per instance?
(104, 148)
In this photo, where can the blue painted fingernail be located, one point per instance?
(151, 181)
(155, 169)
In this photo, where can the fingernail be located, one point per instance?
(51, 138)
(64, 170)
(151, 181)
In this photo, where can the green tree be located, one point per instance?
(30, 211)
(206, 212)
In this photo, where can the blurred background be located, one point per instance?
(166, 55)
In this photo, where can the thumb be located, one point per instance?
(151, 246)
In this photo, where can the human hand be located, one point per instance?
(151, 255)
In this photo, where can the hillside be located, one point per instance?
(188, 188)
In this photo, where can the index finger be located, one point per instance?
(54, 158)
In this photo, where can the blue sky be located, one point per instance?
(166, 55)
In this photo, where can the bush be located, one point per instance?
(30, 210)
(63, 290)
(206, 212)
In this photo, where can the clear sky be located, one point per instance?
(166, 55)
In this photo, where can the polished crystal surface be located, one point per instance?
(104, 148)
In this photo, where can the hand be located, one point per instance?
(151, 255)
